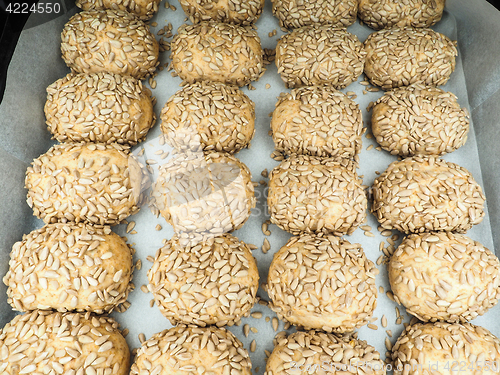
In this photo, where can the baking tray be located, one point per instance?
(36, 63)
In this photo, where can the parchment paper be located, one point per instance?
(37, 63)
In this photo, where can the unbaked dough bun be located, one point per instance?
(45, 342)
(203, 195)
(402, 56)
(311, 194)
(322, 282)
(208, 116)
(85, 182)
(319, 55)
(316, 352)
(69, 267)
(111, 41)
(446, 349)
(213, 282)
(99, 107)
(219, 52)
(444, 276)
(184, 350)
(423, 194)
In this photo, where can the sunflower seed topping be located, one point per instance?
(85, 47)
(48, 269)
(433, 284)
(184, 348)
(325, 277)
(318, 56)
(213, 282)
(422, 194)
(304, 190)
(390, 64)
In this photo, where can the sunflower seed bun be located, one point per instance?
(144, 9)
(319, 56)
(310, 194)
(215, 283)
(316, 352)
(445, 348)
(423, 194)
(403, 56)
(419, 120)
(85, 182)
(384, 14)
(444, 276)
(203, 195)
(220, 52)
(184, 350)
(293, 14)
(111, 41)
(322, 283)
(209, 116)
(240, 12)
(69, 267)
(99, 107)
(318, 121)
(42, 342)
